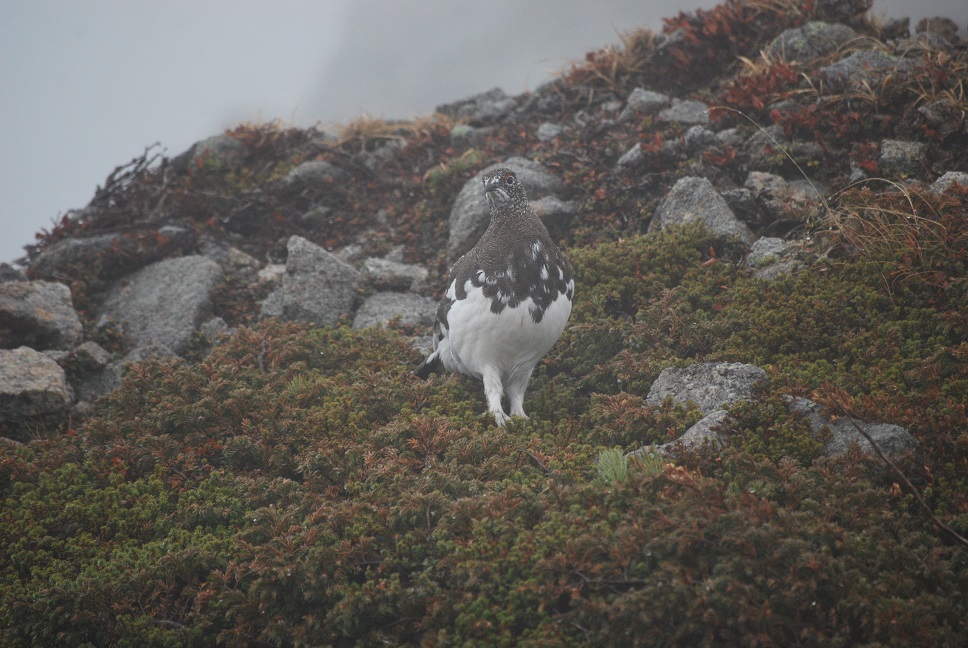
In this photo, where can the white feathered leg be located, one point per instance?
(493, 391)
(516, 387)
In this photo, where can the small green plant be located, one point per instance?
(613, 466)
(648, 461)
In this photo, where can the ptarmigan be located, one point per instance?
(507, 300)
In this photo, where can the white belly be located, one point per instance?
(510, 340)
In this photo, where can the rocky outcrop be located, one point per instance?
(867, 69)
(709, 385)
(713, 387)
(644, 102)
(893, 440)
(38, 314)
(315, 173)
(738, 181)
(771, 257)
(696, 199)
(33, 393)
(405, 308)
(317, 288)
(164, 303)
(223, 150)
(685, 112)
(482, 108)
(809, 42)
(902, 159)
(383, 274)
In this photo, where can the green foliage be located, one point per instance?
(299, 487)
(613, 466)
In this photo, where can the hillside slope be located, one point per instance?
(235, 454)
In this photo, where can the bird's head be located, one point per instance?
(503, 190)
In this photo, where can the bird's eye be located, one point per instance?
(509, 180)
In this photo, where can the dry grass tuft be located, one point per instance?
(916, 232)
(366, 132)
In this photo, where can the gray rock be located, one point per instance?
(272, 274)
(695, 199)
(630, 159)
(469, 216)
(699, 434)
(317, 288)
(745, 206)
(944, 116)
(90, 355)
(395, 254)
(894, 28)
(109, 255)
(900, 159)
(315, 173)
(771, 257)
(225, 150)
(214, 328)
(382, 274)
(38, 314)
(710, 385)
(548, 131)
(766, 249)
(351, 253)
(781, 199)
(949, 180)
(612, 106)
(645, 102)
(484, 107)
(407, 308)
(84, 365)
(697, 139)
(893, 440)
(212, 332)
(867, 69)
(764, 148)
(556, 214)
(730, 137)
(377, 159)
(50, 263)
(232, 260)
(10, 273)
(472, 135)
(143, 353)
(809, 42)
(165, 302)
(33, 392)
(686, 112)
(272, 305)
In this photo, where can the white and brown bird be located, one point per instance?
(507, 300)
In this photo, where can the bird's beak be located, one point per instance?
(492, 183)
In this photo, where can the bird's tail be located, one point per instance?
(431, 365)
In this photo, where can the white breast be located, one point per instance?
(509, 340)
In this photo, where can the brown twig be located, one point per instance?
(541, 465)
(957, 537)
